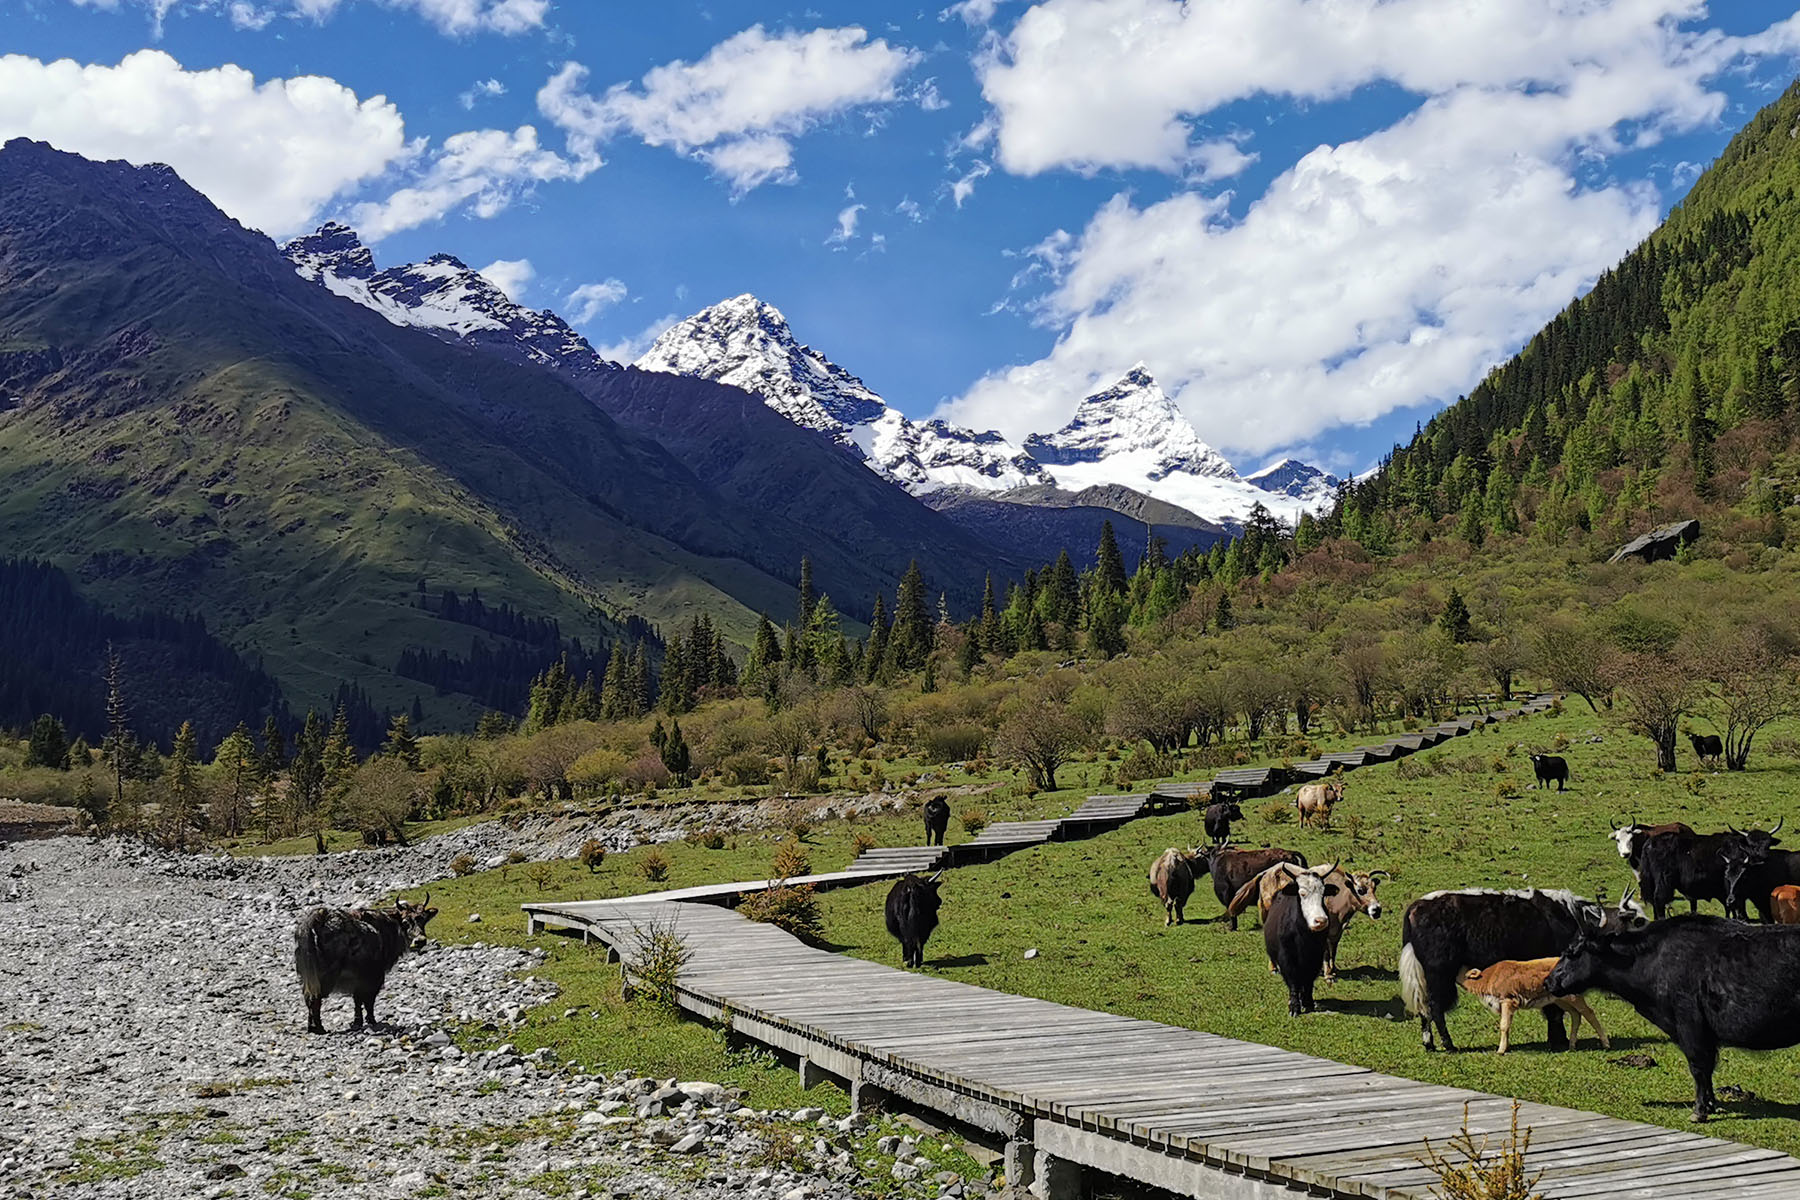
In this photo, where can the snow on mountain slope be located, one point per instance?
(1298, 481)
(1134, 428)
(747, 343)
(442, 295)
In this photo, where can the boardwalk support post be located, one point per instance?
(1056, 1178)
(1018, 1163)
(811, 1074)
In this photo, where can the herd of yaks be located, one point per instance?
(1705, 981)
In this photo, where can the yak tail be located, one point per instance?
(1413, 989)
(308, 960)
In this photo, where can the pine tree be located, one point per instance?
(401, 743)
(613, 699)
(494, 725)
(180, 813)
(584, 702)
(339, 755)
(765, 652)
(1223, 617)
(984, 633)
(306, 779)
(639, 694)
(911, 639)
(875, 660)
(120, 747)
(1064, 587)
(675, 754)
(1109, 564)
(807, 596)
(273, 760)
(235, 763)
(549, 693)
(1454, 620)
(1106, 626)
(1307, 534)
(48, 745)
(659, 737)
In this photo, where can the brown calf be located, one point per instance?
(1784, 904)
(1512, 984)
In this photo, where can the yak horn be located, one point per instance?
(1777, 828)
(1379, 875)
(426, 902)
(935, 877)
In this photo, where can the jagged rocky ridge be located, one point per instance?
(1129, 435)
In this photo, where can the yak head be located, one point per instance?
(412, 919)
(1309, 885)
(1362, 886)
(1580, 966)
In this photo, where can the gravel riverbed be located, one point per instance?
(153, 1045)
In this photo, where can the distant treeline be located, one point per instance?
(499, 674)
(53, 645)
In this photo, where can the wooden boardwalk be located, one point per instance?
(1191, 1112)
(1099, 814)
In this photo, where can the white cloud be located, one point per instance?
(1383, 272)
(510, 275)
(591, 299)
(632, 347)
(456, 18)
(481, 89)
(846, 226)
(961, 189)
(909, 208)
(270, 154)
(484, 169)
(738, 108)
(979, 13)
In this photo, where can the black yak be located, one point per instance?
(1705, 981)
(912, 913)
(349, 951)
(937, 820)
(1219, 817)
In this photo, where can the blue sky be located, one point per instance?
(1316, 224)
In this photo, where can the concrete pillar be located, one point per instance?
(1017, 1164)
(863, 1095)
(1056, 1178)
(811, 1076)
(531, 926)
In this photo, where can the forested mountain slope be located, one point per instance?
(1670, 388)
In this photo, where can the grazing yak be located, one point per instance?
(1707, 746)
(1551, 768)
(1443, 934)
(1219, 817)
(1509, 985)
(912, 913)
(1705, 981)
(1693, 865)
(349, 951)
(1294, 930)
(1232, 868)
(1314, 801)
(1753, 876)
(1355, 894)
(937, 820)
(1172, 882)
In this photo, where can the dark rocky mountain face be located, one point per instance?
(188, 424)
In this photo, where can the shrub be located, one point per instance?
(974, 820)
(647, 772)
(957, 742)
(592, 854)
(1145, 763)
(861, 844)
(802, 778)
(515, 857)
(654, 865)
(1276, 812)
(746, 768)
(790, 860)
(541, 875)
(598, 768)
(662, 954)
(796, 820)
(794, 909)
(1505, 789)
(1560, 742)
(1482, 1175)
(708, 839)
(462, 864)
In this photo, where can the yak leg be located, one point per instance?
(1702, 1059)
(1437, 1017)
(1558, 1036)
(1507, 1008)
(1333, 932)
(1181, 911)
(314, 1022)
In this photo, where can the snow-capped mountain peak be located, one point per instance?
(1135, 426)
(444, 296)
(746, 342)
(1291, 477)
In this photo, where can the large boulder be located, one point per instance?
(1659, 543)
